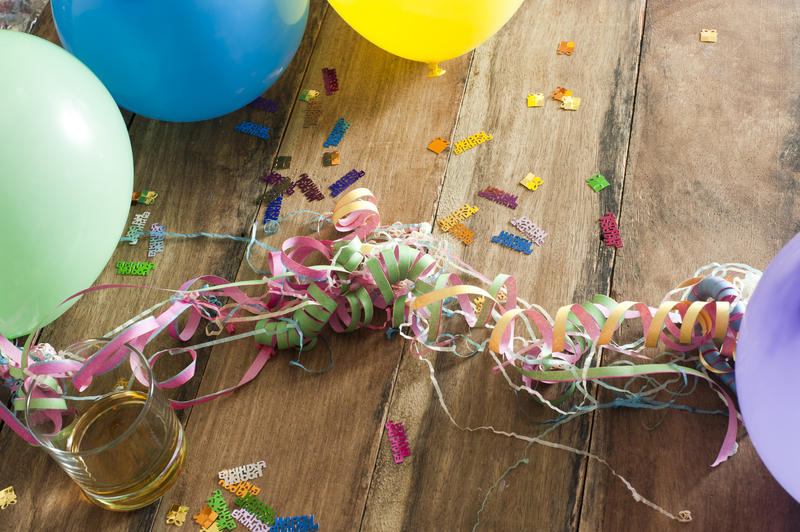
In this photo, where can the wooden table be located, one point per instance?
(700, 145)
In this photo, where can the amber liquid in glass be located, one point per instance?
(136, 470)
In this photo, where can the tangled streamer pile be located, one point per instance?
(404, 279)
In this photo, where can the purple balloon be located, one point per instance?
(768, 367)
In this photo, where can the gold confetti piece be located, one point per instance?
(570, 103)
(708, 35)
(7, 496)
(535, 99)
(177, 515)
(531, 182)
(308, 94)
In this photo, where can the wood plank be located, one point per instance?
(207, 177)
(319, 434)
(709, 180)
(443, 484)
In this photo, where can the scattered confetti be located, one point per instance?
(145, 197)
(283, 162)
(212, 528)
(345, 181)
(529, 229)
(262, 511)
(514, 242)
(570, 103)
(535, 99)
(310, 191)
(610, 230)
(241, 473)
(461, 232)
(313, 112)
(559, 93)
(708, 35)
(330, 158)
(274, 178)
(438, 145)
(156, 240)
(470, 142)
(330, 80)
(397, 435)
(498, 196)
(250, 128)
(303, 523)
(273, 210)
(264, 105)
(280, 189)
(308, 94)
(478, 304)
(218, 504)
(336, 134)
(241, 489)
(566, 47)
(137, 227)
(449, 221)
(177, 515)
(7, 497)
(249, 520)
(597, 182)
(205, 517)
(134, 268)
(531, 182)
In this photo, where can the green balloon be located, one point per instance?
(66, 178)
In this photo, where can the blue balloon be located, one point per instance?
(183, 60)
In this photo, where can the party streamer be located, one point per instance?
(403, 279)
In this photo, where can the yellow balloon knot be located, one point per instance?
(435, 70)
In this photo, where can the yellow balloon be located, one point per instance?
(426, 30)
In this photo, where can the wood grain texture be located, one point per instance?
(207, 177)
(443, 484)
(708, 180)
(319, 434)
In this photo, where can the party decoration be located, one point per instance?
(529, 229)
(397, 436)
(707, 35)
(134, 268)
(205, 517)
(438, 145)
(535, 99)
(330, 80)
(498, 196)
(330, 158)
(300, 523)
(345, 181)
(241, 489)
(308, 94)
(177, 515)
(156, 240)
(223, 59)
(403, 278)
(597, 182)
(7, 497)
(570, 103)
(768, 366)
(610, 230)
(251, 128)
(136, 228)
(336, 134)
(283, 162)
(259, 509)
(218, 504)
(250, 521)
(66, 169)
(531, 182)
(309, 189)
(264, 104)
(426, 31)
(241, 473)
(470, 142)
(455, 217)
(514, 242)
(559, 93)
(566, 47)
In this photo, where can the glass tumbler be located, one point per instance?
(121, 441)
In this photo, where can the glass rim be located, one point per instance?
(45, 444)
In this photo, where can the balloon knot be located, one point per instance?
(435, 70)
